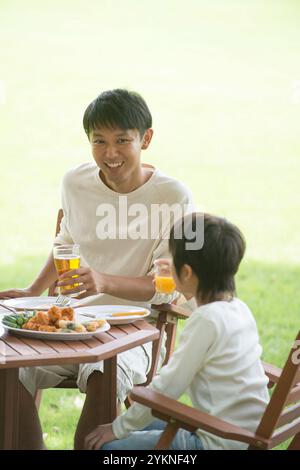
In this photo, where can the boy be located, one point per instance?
(115, 261)
(217, 361)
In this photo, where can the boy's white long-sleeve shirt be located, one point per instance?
(218, 364)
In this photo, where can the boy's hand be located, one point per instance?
(97, 438)
(88, 279)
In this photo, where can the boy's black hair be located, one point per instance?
(216, 263)
(117, 109)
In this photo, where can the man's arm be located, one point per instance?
(44, 280)
(92, 282)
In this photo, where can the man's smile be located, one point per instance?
(114, 164)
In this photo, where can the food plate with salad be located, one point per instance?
(56, 323)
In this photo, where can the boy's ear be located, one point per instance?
(186, 273)
(147, 138)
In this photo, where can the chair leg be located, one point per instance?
(170, 342)
(167, 436)
(156, 347)
(37, 398)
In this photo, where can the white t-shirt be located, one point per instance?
(218, 364)
(90, 210)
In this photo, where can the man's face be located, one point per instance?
(117, 153)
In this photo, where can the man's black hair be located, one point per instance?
(118, 108)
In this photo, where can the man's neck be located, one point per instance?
(130, 185)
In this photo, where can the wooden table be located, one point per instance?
(18, 351)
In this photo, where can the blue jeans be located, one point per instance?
(148, 438)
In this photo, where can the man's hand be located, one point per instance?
(90, 282)
(97, 438)
(88, 279)
(12, 293)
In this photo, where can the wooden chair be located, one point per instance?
(167, 320)
(280, 421)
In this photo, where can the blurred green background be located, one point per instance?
(222, 79)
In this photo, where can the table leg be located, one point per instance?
(9, 408)
(110, 387)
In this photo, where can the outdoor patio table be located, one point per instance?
(19, 351)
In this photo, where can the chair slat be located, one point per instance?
(297, 378)
(294, 395)
(289, 415)
(284, 433)
(272, 372)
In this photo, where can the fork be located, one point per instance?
(11, 309)
(62, 301)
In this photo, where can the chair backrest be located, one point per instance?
(281, 419)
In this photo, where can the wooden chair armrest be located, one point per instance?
(175, 310)
(190, 418)
(272, 372)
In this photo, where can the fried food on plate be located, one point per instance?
(67, 313)
(48, 329)
(71, 325)
(54, 314)
(42, 318)
(60, 320)
(94, 325)
(30, 326)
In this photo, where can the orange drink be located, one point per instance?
(66, 257)
(164, 282)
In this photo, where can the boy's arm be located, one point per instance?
(173, 380)
(175, 377)
(44, 280)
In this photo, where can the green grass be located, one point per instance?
(222, 81)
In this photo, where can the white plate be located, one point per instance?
(34, 303)
(61, 336)
(104, 311)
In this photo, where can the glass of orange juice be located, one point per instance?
(66, 257)
(164, 282)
